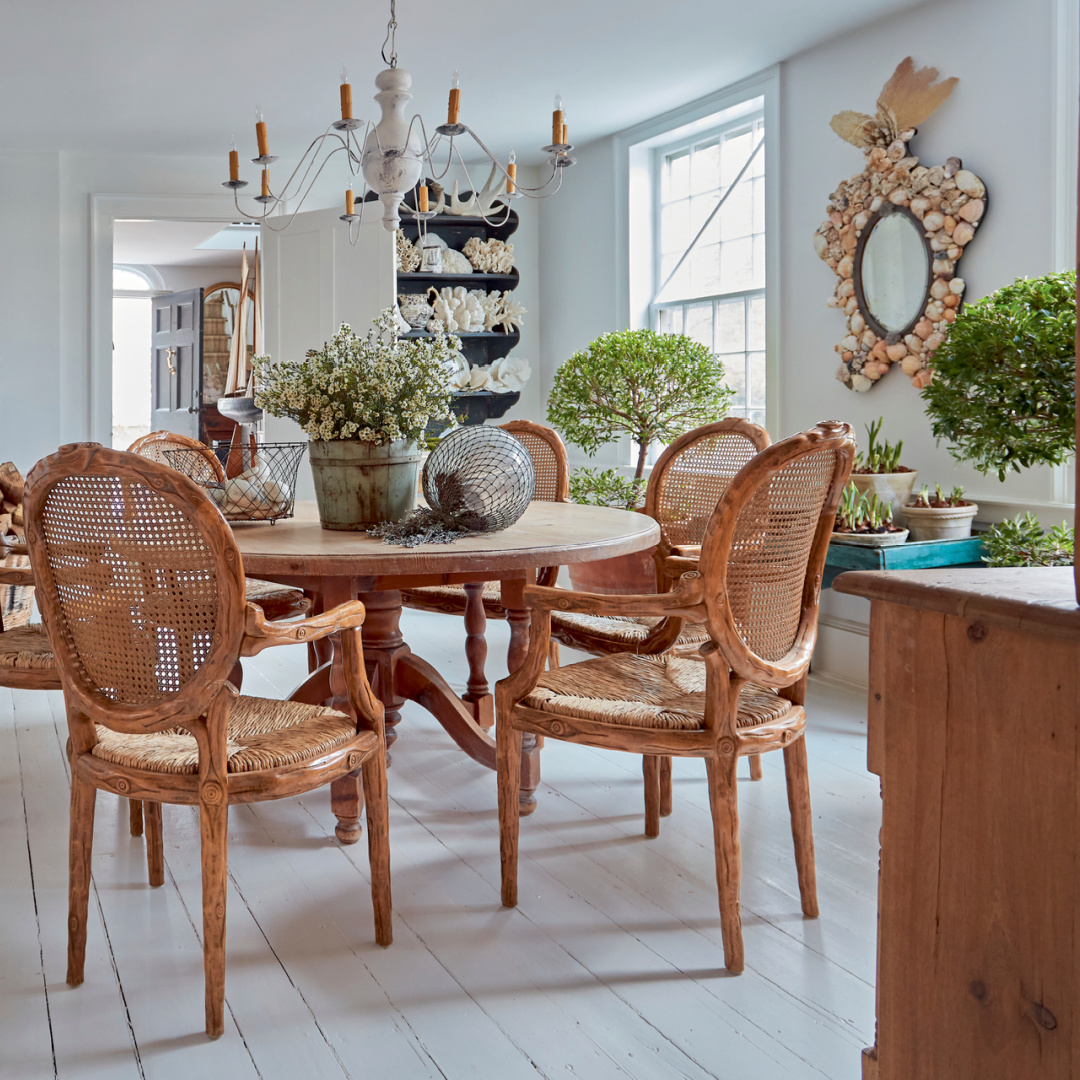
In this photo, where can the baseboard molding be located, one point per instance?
(838, 682)
(849, 626)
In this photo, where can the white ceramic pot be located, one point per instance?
(894, 488)
(889, 539)
(940, 522)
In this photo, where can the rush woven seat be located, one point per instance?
(262, 734)
(624, 634)
(755, 592)
(26, 648)
(141, 587)
(665, 692)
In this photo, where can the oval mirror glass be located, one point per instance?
(893, 272)
(220, 317)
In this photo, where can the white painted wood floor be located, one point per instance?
(611, 967)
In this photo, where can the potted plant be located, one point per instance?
(652, 387)
(364, 403)
(1022, 542)
(1003, 392)
(878, 471)
(866, 519)
(940, 516)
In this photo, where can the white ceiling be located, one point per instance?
(128, 76)
(168, 243)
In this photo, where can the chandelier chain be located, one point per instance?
(391, 36)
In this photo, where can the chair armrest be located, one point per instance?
(687, 551)
(13, 547)
(261, 633)
(685, 601)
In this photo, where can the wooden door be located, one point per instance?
(176, 363)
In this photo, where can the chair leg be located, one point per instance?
(755, 766)
(214, 829)
(508, 763)
(155, 849)
(723, 802)
(798, 793)
(135, 819)
(378, 838)
(650, 769)
(665, 786)
(80, 848)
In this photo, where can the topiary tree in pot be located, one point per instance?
(1003, 393)
(652, 387)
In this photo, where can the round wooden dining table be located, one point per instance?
(334, 566)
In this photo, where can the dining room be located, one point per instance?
(525, 461)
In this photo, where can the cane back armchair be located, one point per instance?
(141, 588)
(755, 591)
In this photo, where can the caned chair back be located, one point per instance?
(140, 585)
(764, 550)
(548, 455)
(690, 478)
(154, 447)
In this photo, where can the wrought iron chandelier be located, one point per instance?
(392, 155)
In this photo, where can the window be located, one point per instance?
(709, 251)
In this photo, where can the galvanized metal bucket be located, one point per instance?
(360, 484)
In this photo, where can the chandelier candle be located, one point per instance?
(511, 173)
(234, 163)
(266, 182)
(260, 133)
(557, 121)
(423, 198)
(346, 96)
(454, 107)
(350, 198)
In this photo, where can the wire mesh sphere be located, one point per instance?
(481, 476)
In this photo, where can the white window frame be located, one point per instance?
(659, 153)
(155, 283)
(633, 199)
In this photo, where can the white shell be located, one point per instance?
(454, 262)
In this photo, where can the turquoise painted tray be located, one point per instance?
(914, 555)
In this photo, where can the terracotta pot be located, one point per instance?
(940, 522)
(359, 484)
(894, 488)
(633, 573)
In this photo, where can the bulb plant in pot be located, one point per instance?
(364, 404)
(652, 387)
(878, 471)
(866, 519)
(940, 516)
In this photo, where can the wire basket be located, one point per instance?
(249, 483)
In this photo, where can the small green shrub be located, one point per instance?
(1022, 542)
(1003, 392)
(607, 488)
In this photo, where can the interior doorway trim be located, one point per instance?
(105, 210)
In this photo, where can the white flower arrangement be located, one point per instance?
(380, 389)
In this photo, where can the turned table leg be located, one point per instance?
(383, 644)
(517, 615)
(477, 696)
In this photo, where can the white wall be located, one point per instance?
(998, 120)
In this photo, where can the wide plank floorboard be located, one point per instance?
(611, 967)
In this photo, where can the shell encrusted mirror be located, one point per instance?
(895, 235)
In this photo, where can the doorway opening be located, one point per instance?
(158, 382)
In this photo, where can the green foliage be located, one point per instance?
(378, 389)
(1003, 392)
(878, 459)
(1022, 542)
(607, 488)
(650, 386)
(863, 513)
(940, 499)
